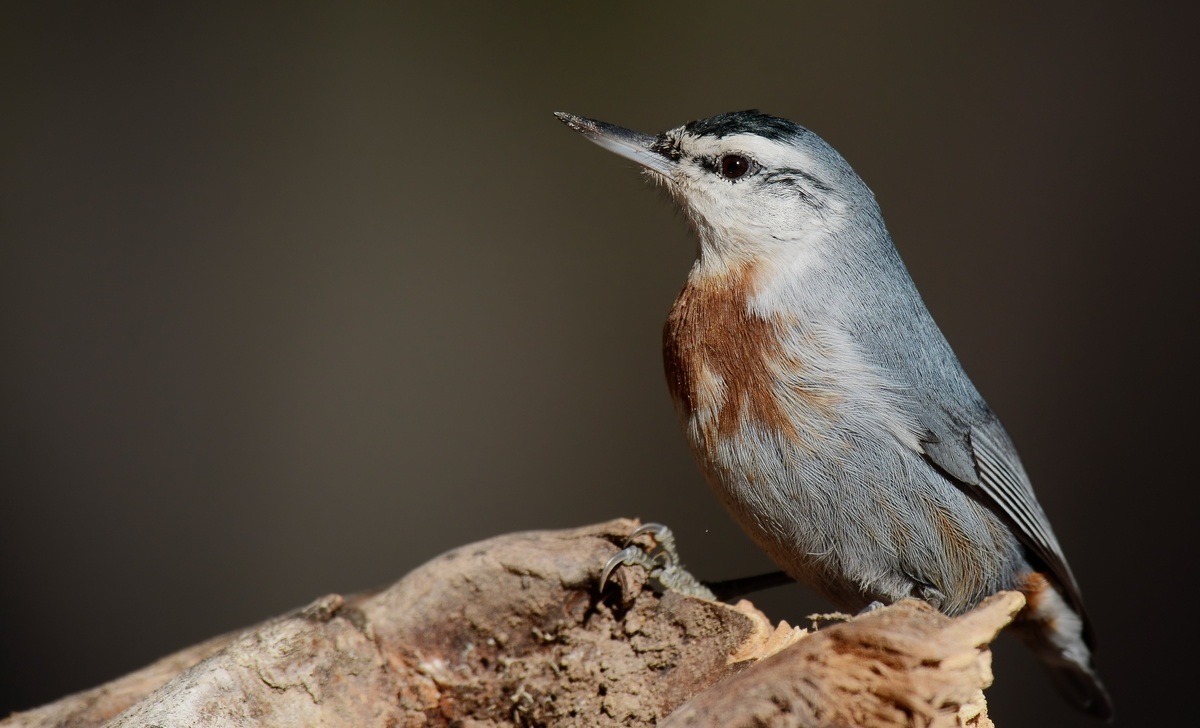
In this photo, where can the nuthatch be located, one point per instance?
(824, 405)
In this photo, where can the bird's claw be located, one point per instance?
(661, 562)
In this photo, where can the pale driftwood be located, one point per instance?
(513, 631)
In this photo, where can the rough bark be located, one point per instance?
(514, 631)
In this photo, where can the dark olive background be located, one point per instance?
(295, 297)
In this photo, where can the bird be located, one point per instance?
(825, 406)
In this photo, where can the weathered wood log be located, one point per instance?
(515, 631)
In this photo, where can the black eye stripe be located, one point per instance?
(787, 174)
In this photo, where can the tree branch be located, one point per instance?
(512, 631)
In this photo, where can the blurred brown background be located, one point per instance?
(295, 297)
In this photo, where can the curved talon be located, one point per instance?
(660, 557)
(620, 558)
(661, 562)
(663, 552)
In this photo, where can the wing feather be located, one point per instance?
(1000, 480)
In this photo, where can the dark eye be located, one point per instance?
(732, 166)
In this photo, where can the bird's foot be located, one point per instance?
(816, 619)
(661, 563)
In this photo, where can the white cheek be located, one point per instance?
(738, 225)
(785, 264)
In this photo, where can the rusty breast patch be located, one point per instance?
(721, 358)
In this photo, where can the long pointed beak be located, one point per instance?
(619, 140)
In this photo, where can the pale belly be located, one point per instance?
(859, 519)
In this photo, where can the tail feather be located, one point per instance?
(1057, 634)
(1082, 687)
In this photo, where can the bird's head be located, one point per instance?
(758, 189)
